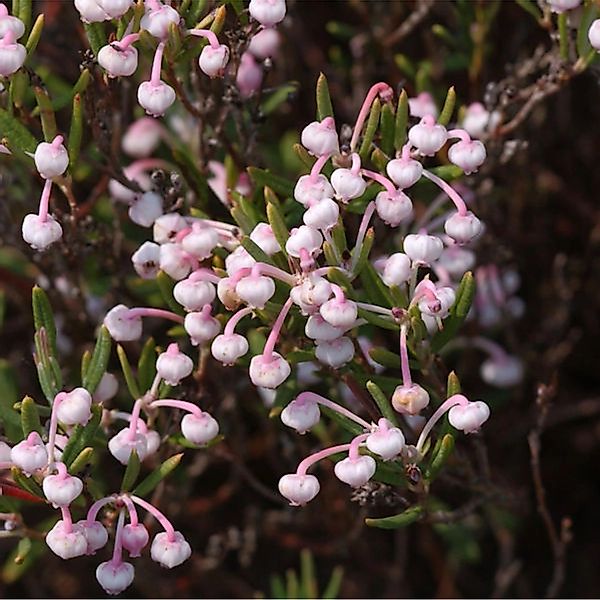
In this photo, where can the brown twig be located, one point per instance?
(416, 16)
(559, 539)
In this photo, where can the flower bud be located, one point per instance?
(594, 35)
(173, 365)
(339, 313)
(470, 417)
(463, 228)
(502, 372)
(422, 105)
(262, 235)
(134, 539)
(175, 261)
(30, 454)
(74, 407)
(249, 76)
(170, 552)
(155, 99)
(201, 241)
(267, 12)
(355, 471)
(410, 399)
(51, 159)
(4, 452)
(299, 489)
(227, 348)
(336, 353)
(40, 233)
(308, 190)
(201, 327)
(122, 445)
(457, 261)
(386, 441)
(347, 184)
(12, 24)
(269, 371)
(404, 172)
(152, 441)
(117, 62)
(560, 6)
(115, 8)
(61, 490)
(301, 415)
(311, 294)
(427, 136)
(157, 21)
(322, 215)
(317, 328)
(478, 120)
(264, 44)
(199, 429)
(115, 577)
(238, 259)
(320, 138)
(306, 238)
(393, 209)
(167, 227)
(469, 155)
(66, 540)
(12, 57)
(423, 249)
(121, 326)
(142, 137)
(146, 208)
(193, 294)
(255, 290)
(213, 61)
(227, 294)
(397, 269)
(90, 11)
(146, 260)
(434, 301)
(95, 535)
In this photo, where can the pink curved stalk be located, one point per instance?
(133, 422)
(157, 64)
(117, 556)
(461, 207)
(456, 400)
(312, 397)
(318, 167)
(356, 163)
(382, 89)
(45, 201)
(204, 274)
(159, 516)
(362, 232)
(181, 404)
(405, 365)
(384, 181)
(154, 312)
(208, 34)
(460, 134)
(235, 319)
(144, 164)
(380, 310)
(53, 429)
(309, 461)
(96, 506)
(126, 41)
(274, 335)
(133, 516)
(67, 519)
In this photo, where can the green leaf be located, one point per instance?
(46, 110)
(307, 159)
(22, 558)
(30, 418)
(17, 136)
(382, 402)
(95, 35)
(345, 423)
(324, 106)
(531, 7)
(263, 178)
(388, 125)
(98, 362)
(280, 96)
(308, 580)
(401, 121)
(157, 475)
(370, 129)
(379, 293)
(440, 456)
(27, 483)
(81, 461)
(43, 315)
(166, 285)
(131, 472)
(453, 385)
(275, 218)
(363, 257)
(35, 35)
(385, 357)
(24, 12)
(255, 251)
(410, 515)
(379, 159)
(82, 436)
(76, 130)
(147, 365)
(132, 385)
(563, 36)
(86, 357)
(458, 312)
(292, 584)
(448, 107)
(332, 589)
(9, 395)
(47, 368)
(588, 15)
